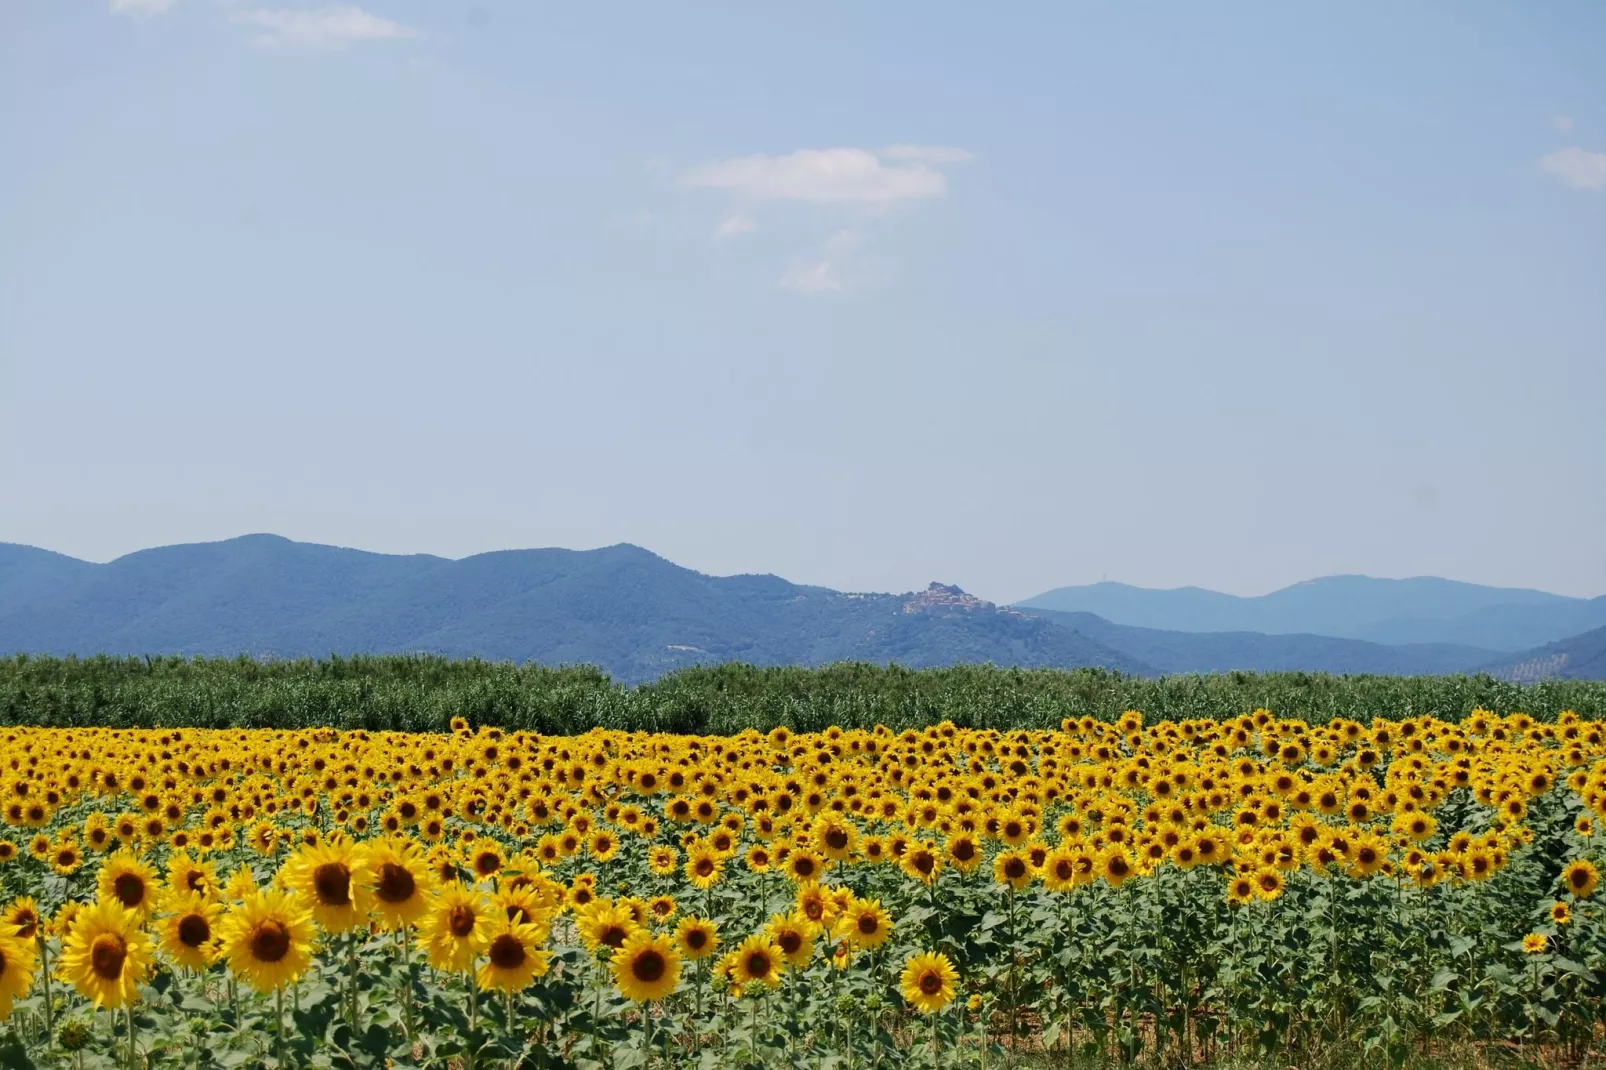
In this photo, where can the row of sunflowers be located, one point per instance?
(1177, 891)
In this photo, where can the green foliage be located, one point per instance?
(419, 693)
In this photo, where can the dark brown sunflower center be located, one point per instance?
(460, 920)
(803, 867)
(924, 862)
(270, 941)
(790, 942)
(129, 888)
(964, 850)
(106, 956)
(696, 939)
(930, 983)
(614, 936)
(648, 966)
(758, 965)
(332, 882)
(194, 930)
(869, 924)
(487, 863)
(836, 839)
(507, 952)
(1014, 869)
(396, 884)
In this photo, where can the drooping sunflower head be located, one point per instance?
(22, 916)
(605, 924)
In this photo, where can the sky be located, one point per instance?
(863, 295)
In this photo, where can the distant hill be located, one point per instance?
(1581, 657)
(1206, 652)
(622, 608)
(1411, 611)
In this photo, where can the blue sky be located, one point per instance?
(864, 294)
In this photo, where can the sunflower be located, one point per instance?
(1561, 913)
(605, 924)
(513, 957)
(1012, 869)
(23, 916)
(661, 908)
(105, 955)
(662, 860)
(333, 880)
(65, 857)
(803, 865)
(129, 880)
(1580, 878)
(922, 863)
(402, 881)
(189, 931)
(186, 875)
(794, 935)
(16, 970)
(1535, 944)
(865, 924)
(696, 937)
(485, 860)
(1115, 867)
(267, 939)
(1269, 884)
(757, 961)
(929, 982)
(458, 928)
(703, 866)
(646, 968)
(964, 852)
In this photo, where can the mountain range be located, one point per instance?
(637, 615)
(1425, 609)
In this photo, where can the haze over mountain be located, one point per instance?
(636, 615)
(1424, 609)
(1579, 657)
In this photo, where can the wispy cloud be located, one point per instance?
(857, 186)
(1564, 123)
(830, 175)
(321, 28)
(1576, 167)
(829, 272)
(142, 8)
(733, 225)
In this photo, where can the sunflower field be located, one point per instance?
(1187, 892)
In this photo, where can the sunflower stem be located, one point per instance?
(128, 1020)
(473, 1019)
(44, 964)
(278, 1023)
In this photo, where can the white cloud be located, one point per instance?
(811, 277)
(831, 175)
(1576, 167)
(1564, 123)
(927, 153)
(731, 226)
(829, 272)
(141, 7)
(327, 27)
